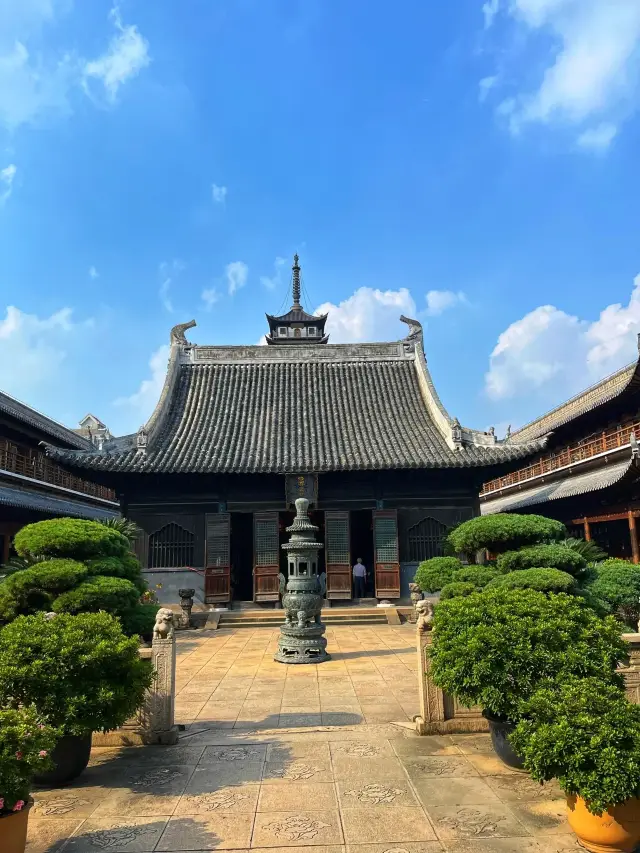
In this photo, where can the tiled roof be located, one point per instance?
(52, 428)
(43, 502)
(269, 410)
(582, 403)
(568, 487)
(297, 315)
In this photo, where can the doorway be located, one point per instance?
(362, 545)
(242, 556)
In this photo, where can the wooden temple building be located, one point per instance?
(588, 475)
(240, 432)
(34, 487)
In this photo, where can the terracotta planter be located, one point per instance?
(614, 831)
(13, 830)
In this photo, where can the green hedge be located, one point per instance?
(113, 595)
(34, 589)
(615, 584)
(498, 533)
(479, 575)
(432, 575)
(455, 589)
(140, 620)
(70, 537)
(542, 579)
(543, 556)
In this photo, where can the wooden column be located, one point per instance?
(587, 531)
(635, 551)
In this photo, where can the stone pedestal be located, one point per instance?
(186, 605)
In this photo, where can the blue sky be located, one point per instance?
(473, 164)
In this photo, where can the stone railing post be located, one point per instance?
(431, 697)
(186, 605)
(631, 670)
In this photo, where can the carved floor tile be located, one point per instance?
(131, 835)
(161, 755)
(298, 828)
(305, 769)
(402, 847)
(362, 749)
(212, 831)
(475, 821)
(314, 796)
(442, 766)
(470, 744)
(545, 817)
(358, 767)
(162, 779)
(374, 794)
(296, 750)
(523, 788)
(428, 745)
(497, 845)
(126, 804)
(243, 753)
(66, 803)
(389, 825)
(241, 798)
(220, 774)
(454, 791)
(48, 836)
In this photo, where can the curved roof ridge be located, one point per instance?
(37, 419)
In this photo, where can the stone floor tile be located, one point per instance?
(361, 749)
(69, 803)
(127, 804)
(47, 835)
(232, 799)
(211, 777)
(427, 745)
(521, 788)
(558, 843)
(309, 769)
(296, 828)
(476, 821)
(315, 796)
(212, 831)
(334, 848)
(375, 794)
(358, 767)
(491, 765)
(472, 743)
(493, 845)
(163, 780)
(144, 755)
(544, 817)
(391, 825)
(290, 720)
(341, 718)
(454, 791)
(126, 835)
(443, 766)
(284, 751)
(407, 847)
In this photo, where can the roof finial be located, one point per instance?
(296, 282)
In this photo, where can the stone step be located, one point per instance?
(275, 618)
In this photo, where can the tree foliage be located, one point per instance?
(81, 673)
(504, 532)
(492, 648)
(586, 734)
(70, 537)
(114, 595)
(551, 556)
(34, 589)
(479, 575)
(457, 588)
(542, 579)
(432, 575)
(615, 585)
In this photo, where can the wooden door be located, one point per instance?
(266, 556)
(217, 574)
(337, 554)
(385, 544)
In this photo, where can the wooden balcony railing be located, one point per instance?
(36, 466)
(607, 440)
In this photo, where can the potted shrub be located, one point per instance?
(586, 734)
(493, 648)
(80, 672)
(25, 747)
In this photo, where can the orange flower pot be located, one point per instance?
(615, 831)
(13, 830)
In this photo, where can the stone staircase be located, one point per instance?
(254, 618)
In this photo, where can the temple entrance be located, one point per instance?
(242, 556)
(361, 531)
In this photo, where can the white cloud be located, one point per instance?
(93, 272)
(486, 85)
(598, 138)
(210, 296)
(557, 353)
(126, 56)
(6, 181)
(32, 349)
(368, 315)
(274, 281)
(168, 273)
(236, 274)
(490, 9)
(219, 194)
(593, 69)
(440, 300)
(143, 401)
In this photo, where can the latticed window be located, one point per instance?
(337, 539)
(386, 539)
(267, 542)
(218, 544)
(171, 547)
(426, 540)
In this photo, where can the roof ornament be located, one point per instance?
(142, 438)
(456, 433)
(638, 341)
(507, 435)
(296, 281)
(177, 333)
(415, 327)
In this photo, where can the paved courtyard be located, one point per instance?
(303, 758)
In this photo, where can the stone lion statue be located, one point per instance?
(424, 612)
(163, 629)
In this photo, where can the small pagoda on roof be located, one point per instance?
(296, 326)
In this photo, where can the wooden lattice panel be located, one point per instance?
(386, 539)
(266, 543)
(337, 539)
(218, 540)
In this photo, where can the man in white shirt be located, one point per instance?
(359, 578)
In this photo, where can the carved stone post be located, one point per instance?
(416, 596)
(161, 726)
(431, 697)
(186, 604)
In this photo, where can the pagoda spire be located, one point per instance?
(296, 282)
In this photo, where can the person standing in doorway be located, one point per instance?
(359, 578)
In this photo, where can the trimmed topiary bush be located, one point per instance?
(126, 566)
(455, 589)
(544, 580)
(586, 734)
(615, 585)
(543, 556)
(30, 590)
(113, 595)
(80, 672)
(498, 533)
(494, 647)
(479, 575)
(437, 572)
(140, 621)
(70, 537)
